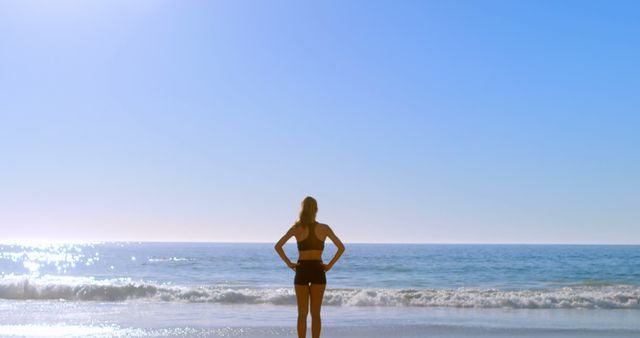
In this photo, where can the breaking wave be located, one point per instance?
(113, 290)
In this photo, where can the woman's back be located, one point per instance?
(310, 240)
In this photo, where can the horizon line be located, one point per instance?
(38, 241)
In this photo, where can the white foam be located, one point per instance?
(89, 289)
(168, 259)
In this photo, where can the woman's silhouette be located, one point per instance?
(310, 280)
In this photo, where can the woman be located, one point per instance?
(310, 280)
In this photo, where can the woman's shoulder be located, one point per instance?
(323, 226)
(295, 229)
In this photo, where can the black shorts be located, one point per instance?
(310, 272)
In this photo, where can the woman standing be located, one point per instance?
(310, 280)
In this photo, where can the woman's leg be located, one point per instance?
(317, 292)
(302, 296)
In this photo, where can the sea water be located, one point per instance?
(375, 290)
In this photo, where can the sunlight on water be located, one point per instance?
(99, 331)
(61, 330)
(62, 257)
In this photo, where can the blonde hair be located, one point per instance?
(308, 211)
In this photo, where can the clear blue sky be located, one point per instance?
(425, 121)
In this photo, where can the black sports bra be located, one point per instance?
(311, 242)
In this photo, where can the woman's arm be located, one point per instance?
(280, 251)
(340, 251)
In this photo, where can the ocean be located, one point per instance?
(376, 290)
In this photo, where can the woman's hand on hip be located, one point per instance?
(292, 266)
